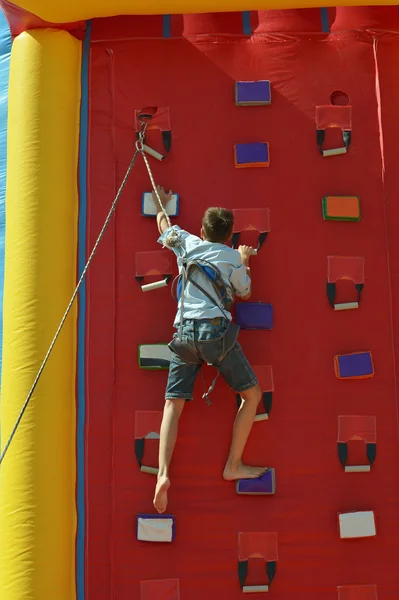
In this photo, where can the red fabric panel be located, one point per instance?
(355, 427)
(264, 373)
(130, 27)
(100, 332)
(366, 17)
(334, 116)
(165, 589)
(292, 20)
(257, 545)
(252, 218)
(345, 267)
(211, 23)
(197, 81)
(21, 20)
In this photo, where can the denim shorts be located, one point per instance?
(206, 335)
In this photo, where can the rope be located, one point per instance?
(82, 277)
(154, 187)
(172, 239)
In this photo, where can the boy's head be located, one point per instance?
(217, 225)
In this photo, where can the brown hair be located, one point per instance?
(217, 224)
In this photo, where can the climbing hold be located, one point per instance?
(252, 155)
(255, 589)
(153, 264)
(154, 356)
(160, 589)
(155, 528)
(358, 365)
(254, 315)
(149, 470)
(261, 486)
(253, 93)
(155, 119)
(340, 268)
(251, 219)
(333, 116)
(359, 428)
(264, 374)
(147, 427)
(359, 524)
(355, 468)
(341, 208)
(255, 545)
(357, 592)
(149, 209)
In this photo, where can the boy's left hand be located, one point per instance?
(164, 197)
(246, 253)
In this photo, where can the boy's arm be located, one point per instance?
(162, 222)
(241, 278)
(247, 296)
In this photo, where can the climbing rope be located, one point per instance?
(139, 150)
(173, 239)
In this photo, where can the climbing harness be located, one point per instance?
(172, 241)
(225, 296)
(224, 291)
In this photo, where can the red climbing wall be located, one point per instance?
(195, 77)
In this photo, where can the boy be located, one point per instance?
(204, 324)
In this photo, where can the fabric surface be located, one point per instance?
(196, 79)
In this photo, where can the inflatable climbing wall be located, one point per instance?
(290, 119)
(330, 370)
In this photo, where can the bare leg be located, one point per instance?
(167, 441)
(234, 468)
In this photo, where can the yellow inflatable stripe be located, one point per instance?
(37, 477)
(65, 11)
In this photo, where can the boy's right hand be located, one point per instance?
(164, 197)
(246, 252)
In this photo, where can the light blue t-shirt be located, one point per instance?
(228, 261)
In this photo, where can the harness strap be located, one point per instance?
(185, 276)
(205, 395)
(199, 287)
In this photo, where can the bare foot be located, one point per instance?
(242, 472)
(161, 494)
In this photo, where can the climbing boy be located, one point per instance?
(204, 324)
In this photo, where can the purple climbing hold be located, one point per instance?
(252, 155)
(254, 315)
(262, 486)
(358, 365)
(253, 93)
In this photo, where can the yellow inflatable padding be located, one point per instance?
(65, 11)
(37, 477)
